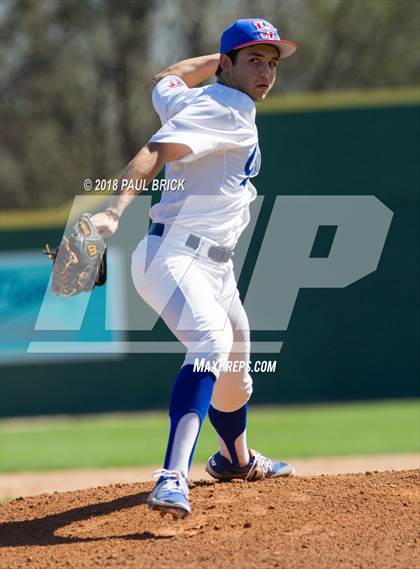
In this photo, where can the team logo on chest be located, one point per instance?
(252, 166)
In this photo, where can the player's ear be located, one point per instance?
(225, 62)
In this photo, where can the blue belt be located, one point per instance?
(157, 229)
(215, 252)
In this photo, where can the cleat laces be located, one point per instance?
(261, 467)
(173, 480)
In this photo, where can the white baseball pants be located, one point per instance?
(199, 301)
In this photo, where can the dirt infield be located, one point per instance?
(17, 484)
(353, 520)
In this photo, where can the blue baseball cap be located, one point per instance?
(248, 32)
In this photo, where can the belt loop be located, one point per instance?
(193, 241)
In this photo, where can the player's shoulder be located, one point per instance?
(168, 82)
(203, 102)
(219, 108)
(209, 95)
(229, 100)
(169, 87)
(215, 104)
(170, 95)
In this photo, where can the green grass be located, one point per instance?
(139, 439)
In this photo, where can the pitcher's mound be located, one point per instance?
(360, 520)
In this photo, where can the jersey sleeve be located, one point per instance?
(205, 127)
(168, 96)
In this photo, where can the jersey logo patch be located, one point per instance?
(175, 83)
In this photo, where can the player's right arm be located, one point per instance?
(192, 71)
(146, 165)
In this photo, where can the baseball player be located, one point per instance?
(183, 267)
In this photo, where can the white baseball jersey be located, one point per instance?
(218, 124)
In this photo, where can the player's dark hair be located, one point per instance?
(232, 54)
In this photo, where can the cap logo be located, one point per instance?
(265, 30)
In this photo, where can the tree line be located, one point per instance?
(75, 74)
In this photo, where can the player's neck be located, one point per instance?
(226, 82)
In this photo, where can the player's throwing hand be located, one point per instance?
(106, 222)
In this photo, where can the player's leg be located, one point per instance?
(228, 411)
(193, 388)
(190, 398)
(183, 293)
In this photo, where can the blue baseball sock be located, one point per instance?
(230, 427)
(190, 400)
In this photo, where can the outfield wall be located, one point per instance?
(357, 342)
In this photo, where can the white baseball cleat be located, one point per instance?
(170, 495)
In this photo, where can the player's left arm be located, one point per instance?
(144, 167)
(192, 71)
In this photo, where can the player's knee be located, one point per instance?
(231, 392)
(210, 349)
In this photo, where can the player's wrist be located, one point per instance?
(112, 213)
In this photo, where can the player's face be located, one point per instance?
(254, 71)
